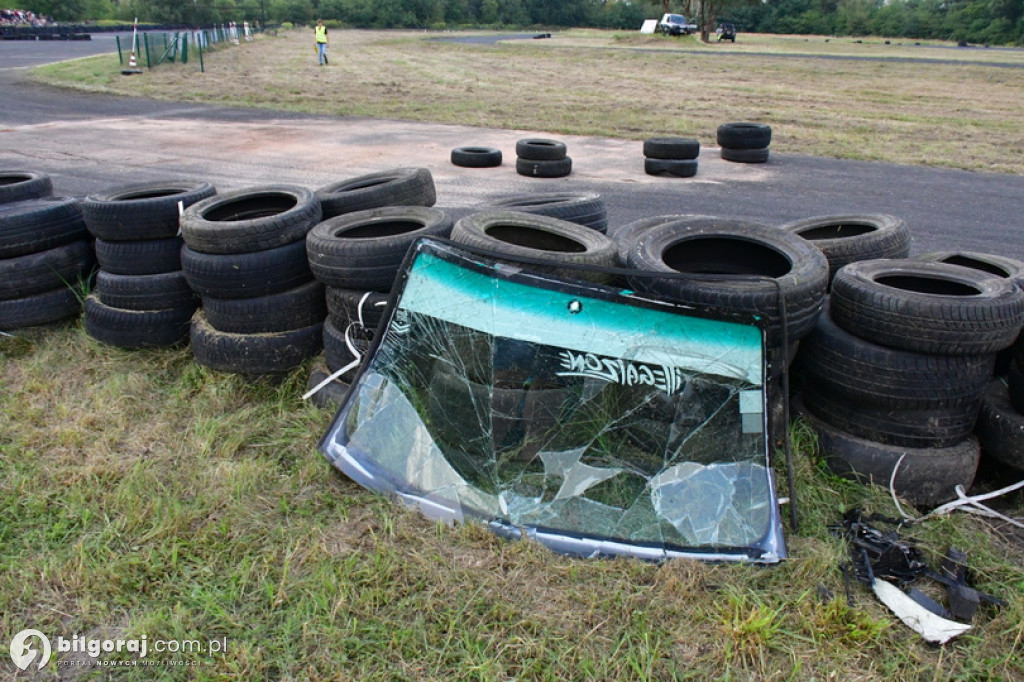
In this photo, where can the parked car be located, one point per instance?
(675, 25)
(727, 32)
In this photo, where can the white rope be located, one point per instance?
(350, 344)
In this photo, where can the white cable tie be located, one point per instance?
(316, 389)
(360, 309)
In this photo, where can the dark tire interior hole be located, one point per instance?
(387, 228)
(928, 285)
(726, 256)
(837, 231)
(534, 202)
(251, 208)
(13, 179)
(534, 239)
(364, 184)
(541, 143)
(148, 194)
(976, 264)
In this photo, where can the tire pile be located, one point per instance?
(671, 156)
(46, 257)
(542, 158)
(141, 298)
(744, 142)
(245, 255)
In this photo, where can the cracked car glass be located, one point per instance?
(569, 413)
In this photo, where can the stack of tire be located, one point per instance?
(542, 158)
(744, 142)
(671, 156)
(357, 256)
(141, 298)
(245, 255)
(45, 252)
(582, 208)
(895, 372)
(1000, 426)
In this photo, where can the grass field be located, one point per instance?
(922, 112)
(141, 494)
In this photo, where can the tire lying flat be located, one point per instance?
(397, 187)
(147, 210)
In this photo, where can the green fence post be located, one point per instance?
(199, 43)
(184, 47)
(145, 41)
(120, 57)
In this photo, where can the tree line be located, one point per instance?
(975, 21)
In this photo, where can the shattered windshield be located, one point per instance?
(589, 418)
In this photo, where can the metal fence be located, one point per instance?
(159, 48)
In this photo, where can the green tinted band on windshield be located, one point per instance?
(462, 296)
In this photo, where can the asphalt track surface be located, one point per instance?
(89, 143)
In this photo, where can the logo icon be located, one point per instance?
(22, 654)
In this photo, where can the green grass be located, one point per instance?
(143, 494)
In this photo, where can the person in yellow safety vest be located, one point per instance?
(321, 41)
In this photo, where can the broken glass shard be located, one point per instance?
(593, 419)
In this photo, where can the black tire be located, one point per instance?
(47, 270)
(36, 225)
(927, 307)
(248, 220)
(299, 307)
(540, 149)
(671, 148)
(147, 210)
(246, 275)
(44, 308)
(582, 208)
(366, 248)
(337, 354)
(137, 328)
(397, 187)
(1000, 428)
(145, 292)
(1015, 384)
(558, 168)
(745, 155)
(476, 157)
(539, 237)
(861, 371)
(934, 427)
(927, 477)
(1001, 266)
(149, 257)
(628, 235)
(714, 246)
(330, 396)
(670, 167)
(344, 307)
(849, 238)
(253, 354)
(17, 185)
(744, 135)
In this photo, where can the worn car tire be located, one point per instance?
(927, 477)
(671, 148)
(718, 248)
(1000, 428)
(744, 135)
(346, 306)
(683, 168)
(365, 249)
(861, 371)
(292, 309)
(745, 155)
(627, 235)
(476, 157)
(524, 235)
(1001, 266)
(396, 187)
(248, 220)
(848, 238)
(253, 354)
(145, 292)
(47, 270)
(149, 257)
(38, 309)
(35, 225)
(137, 328)
(246, 275)
(540, 149)
(147, 210)
(557, 168)
(18, 185)
(330, 396)
(927, 307)
(582, 208)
